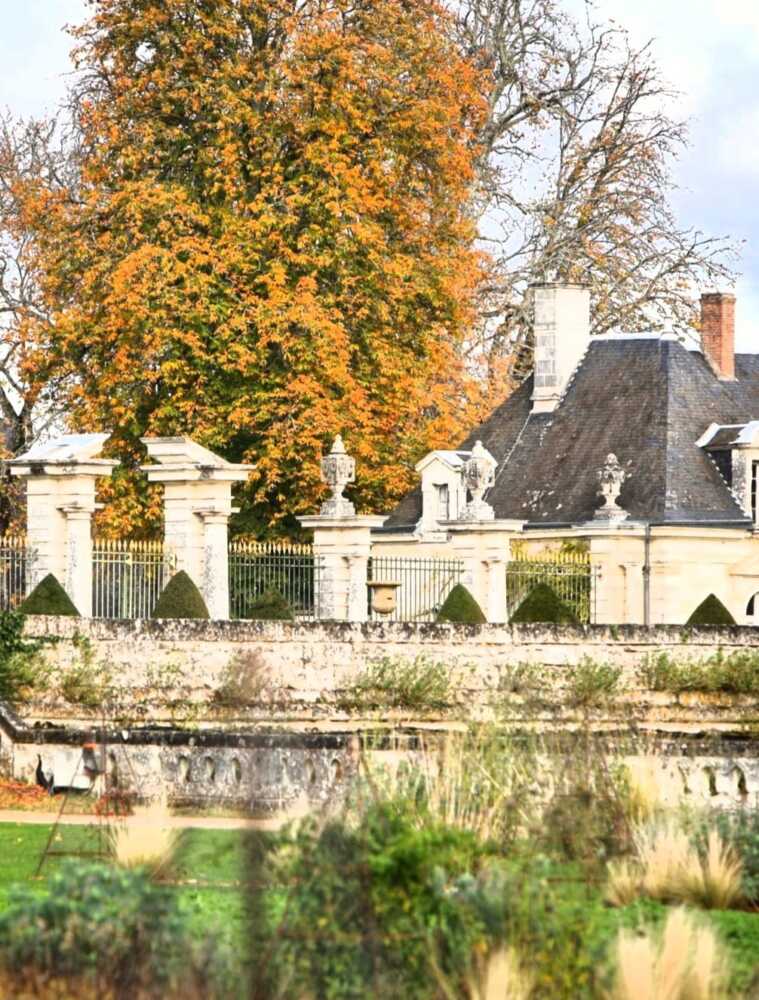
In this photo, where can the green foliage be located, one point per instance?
(740, 829)
(23, 669)
(180, 598)
(592, 683)
(48, 598)
(543, 912)
(711, 612)
(542, 604)
(85, 682)
(365, 906)
(271, 605)
(104, 924)
(392, 682)
(734, 673)
(459, 606)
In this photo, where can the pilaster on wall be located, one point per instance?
(483, 547)
(342, 546)
(61, 477)
(197, 507)
(618, 557)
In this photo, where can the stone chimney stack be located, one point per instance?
(718, 332)
(562, 335)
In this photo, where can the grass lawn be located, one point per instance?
(211, 867)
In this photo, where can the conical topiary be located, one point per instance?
(460, 606)
(180, 598)
(711, 612)
(271, 605)
(543, 604)
(48, 598)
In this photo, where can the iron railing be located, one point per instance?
(128, 577)
(425, 582)
(569, 574)
(256, 567)
(15, 571)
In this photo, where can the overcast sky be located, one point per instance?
(707, 48)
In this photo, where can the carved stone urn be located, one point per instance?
(611, 478)
(383, 595)
(479, 476)
(338, 470)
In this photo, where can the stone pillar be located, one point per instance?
(61, 477)
(197, 506)
(618, 558)
(342, 546)
(484, 546)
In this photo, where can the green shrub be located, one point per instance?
(711, 612)
(542, 604)
(85, 682)
(106, 925)
(591, 683)
(22, 667)
(180, 598)
(736, 673)
(364, 907)
(271, 605)
(740, 829)
(459, 606)
(391, 682)
(48, 598)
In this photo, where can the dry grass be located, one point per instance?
(684, 963)
(146, 839)
(502, 977)
(669, 868)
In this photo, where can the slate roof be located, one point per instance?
(646, 399)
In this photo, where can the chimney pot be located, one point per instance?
(718, 332)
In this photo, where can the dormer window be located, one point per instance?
(443, 502)
(734, 449)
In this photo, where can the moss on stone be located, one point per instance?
(711, 612)
(48, 598)
(460, 606)
(271, 605)
(180, 598)
(543, 604)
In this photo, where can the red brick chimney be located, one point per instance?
(718, 332)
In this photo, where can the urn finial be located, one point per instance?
(611, 479)
(338, 470)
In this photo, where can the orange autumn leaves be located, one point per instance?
(270, 242)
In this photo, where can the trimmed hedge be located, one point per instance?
(543, 604)
(271, 605)
(460, 606)
(180, 598)
(711, 612)
(48, 598)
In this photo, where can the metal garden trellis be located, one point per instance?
(569, 574)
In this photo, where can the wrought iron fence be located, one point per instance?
(15, 567)
(569, 574)
(290, 569)
(128, 577)
(424, 585)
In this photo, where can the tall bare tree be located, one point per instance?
(33, 152)
(576, 174)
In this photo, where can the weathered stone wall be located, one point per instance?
(300, 670)
(296, 741)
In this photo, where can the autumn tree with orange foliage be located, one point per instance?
(269, 242)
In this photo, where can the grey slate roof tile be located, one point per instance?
(646, 400)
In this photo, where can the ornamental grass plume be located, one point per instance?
(146, 839)
(501, 977)
(670, 868)
(685, 962)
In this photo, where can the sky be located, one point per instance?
(708, 49)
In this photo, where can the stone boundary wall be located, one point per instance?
(303, 667)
